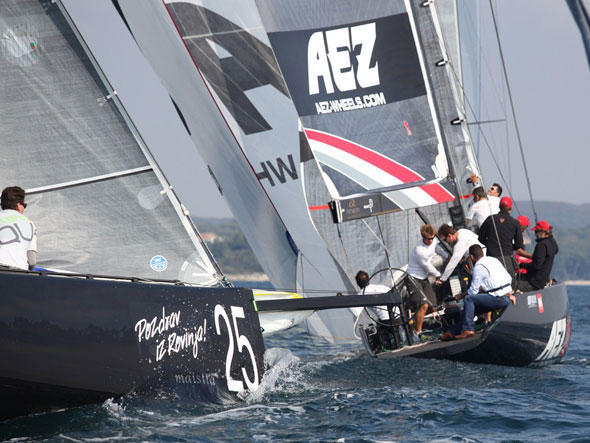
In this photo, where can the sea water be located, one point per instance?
(317, 391)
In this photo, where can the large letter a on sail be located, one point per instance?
(244, 62)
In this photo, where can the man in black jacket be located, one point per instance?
(501, 234)
(539, 270)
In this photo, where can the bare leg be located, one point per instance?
(420, 317)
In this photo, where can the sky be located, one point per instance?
(548, 72)
(550, 81)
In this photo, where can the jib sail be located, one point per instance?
(217, 64)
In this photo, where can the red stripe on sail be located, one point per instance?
(405, 175)
(317, 208)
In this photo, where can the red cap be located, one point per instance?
(505, 202)
(541, 225)
(523, 220)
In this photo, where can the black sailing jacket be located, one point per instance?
(539, 270)
(509, 234)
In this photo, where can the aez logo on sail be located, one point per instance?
(343, 59)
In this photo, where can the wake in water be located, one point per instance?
(313, 390)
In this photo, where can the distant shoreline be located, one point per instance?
(577, 282)
(262, 277)
(250, 276)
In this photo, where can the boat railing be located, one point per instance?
(66, 274)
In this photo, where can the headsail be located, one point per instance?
(215, 60)
(99, 201)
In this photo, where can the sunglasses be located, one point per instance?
(428, 238)
(24, 204)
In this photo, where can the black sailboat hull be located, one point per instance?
(536, 330)
(68, 341)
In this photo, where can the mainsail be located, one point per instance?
(100, 203)
(216, 62)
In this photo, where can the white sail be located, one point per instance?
(99, 201)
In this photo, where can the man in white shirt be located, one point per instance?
(480, 209)
(18, 235)
(420, 266)
(461, 240)
(494, 193)
(378, 312)
(490, 290)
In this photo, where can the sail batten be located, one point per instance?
(84, 181)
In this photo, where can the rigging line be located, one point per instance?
(526, 172)
(386, 252)
(483, 135)
(471, 32)
(376, 236)
(452, 69)
(343, 247)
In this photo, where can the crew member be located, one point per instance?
(523, 256)
(419, 268)
(18, 234)
(501, 234)
(539, 270)
(362, 280)
(494, 193)
(490, 290)
(479, 210)
(461, 240)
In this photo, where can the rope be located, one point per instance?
(526, 172)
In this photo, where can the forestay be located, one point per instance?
(100, 204)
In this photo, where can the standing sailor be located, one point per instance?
(18, 235)
(461, 240)
(480, 210)
(490, 290)
(494, 193)
(501, 234)
(419, 268)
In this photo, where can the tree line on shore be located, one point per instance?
(571, 230)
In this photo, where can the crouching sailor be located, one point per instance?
(490, 290)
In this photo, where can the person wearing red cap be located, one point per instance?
(524, 256)
(539, 270)
(524, 222)
(501, 234)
